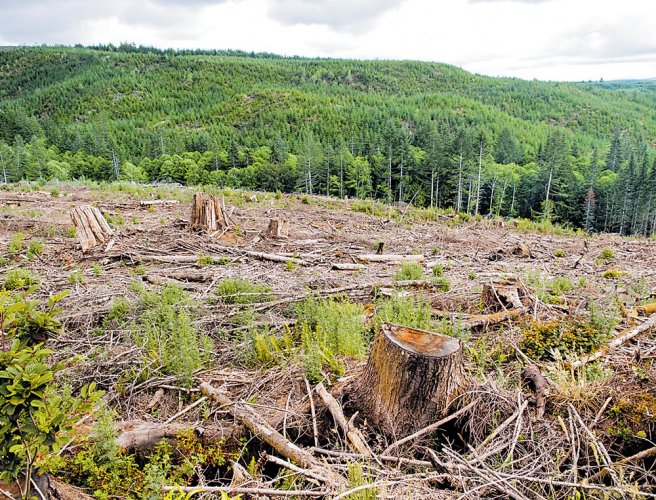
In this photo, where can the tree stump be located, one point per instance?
(410, 380)
(501, 296)
(278, 228)
(91, 226)
(206, 214)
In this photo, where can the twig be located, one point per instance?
(430, 428)
(185, 410)
(315, 430)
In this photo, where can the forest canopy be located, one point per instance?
(579, 154)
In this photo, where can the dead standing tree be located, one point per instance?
(207, 214)
(410, 380)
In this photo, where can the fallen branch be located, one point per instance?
(339, 266)
(353, 435)
(390, 258)
(138, 435)
(430, 428)
(259, 427)
(616, 342)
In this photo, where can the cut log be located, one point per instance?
(346, 266)
(410, 380)
(390, 258)
(278, 228)
(140, 435)
(501, 296)
(92, 228)
(149, 203)
(206, 214)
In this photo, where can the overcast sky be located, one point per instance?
(544, 39)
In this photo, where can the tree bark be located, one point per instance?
(410, 380)
(206, 214)
(92, 228)
(278, 228)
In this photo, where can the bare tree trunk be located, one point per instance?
(410, 380)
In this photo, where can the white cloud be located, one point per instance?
(546, 39)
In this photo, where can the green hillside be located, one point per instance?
(575, 153)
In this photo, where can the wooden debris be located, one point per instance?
(395, 259)
(485, 320)
(616, 342)
(346, 266)
(522, 250)
(257, 492)
(353, 435)
(207, 214)
(539, 384)
(258, 426)
(410, 380)
(150, 203)
(501, 296)
(92, 228)
(430, 428)
(278, 228)
(141, 435)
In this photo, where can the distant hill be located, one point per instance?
(128, 103)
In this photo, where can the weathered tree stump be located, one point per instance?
(206, 214)
(278, 228)
(501, 296)
(91, 226)
(410, 380)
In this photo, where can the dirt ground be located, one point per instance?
(152, 244)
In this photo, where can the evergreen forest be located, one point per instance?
(577, 154)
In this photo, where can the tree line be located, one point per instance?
(408, 132)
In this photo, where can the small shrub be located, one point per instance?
(242, 291)
(404, 310)
(613, 274)
(77, 277)
(35, 248)
(606, 256)
(546, 341)
(290, 265)
(20, 279)
(97, 269)
(442, 283)
(305, 200)
(164, 328)
(205, 260)
(327, 329)
(471, 275)
(54, 192)
(559, 253)
(114, 220)
(409, 271)
(70, 232)
(16, 243)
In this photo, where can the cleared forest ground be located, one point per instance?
(249, 319)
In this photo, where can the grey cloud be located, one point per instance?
(64, 21)
(340, 15)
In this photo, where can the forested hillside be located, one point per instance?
(426, 133)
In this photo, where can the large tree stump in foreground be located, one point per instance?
(91, 226)
(410, 380)
(206, 214)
